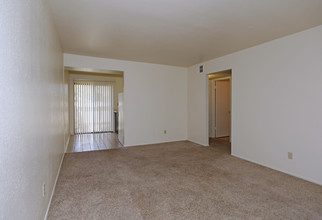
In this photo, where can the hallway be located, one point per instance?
(221, 144)
(93, 142)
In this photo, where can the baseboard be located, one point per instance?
(278, 169)
(54, 187)
(145, 144)
(66, 144)
(200, 143)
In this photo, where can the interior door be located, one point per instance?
(222, 108)
(120, 119)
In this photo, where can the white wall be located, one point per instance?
(276, 103)
(155, 98)
(31, 96)
(197, 107)
(117, 85)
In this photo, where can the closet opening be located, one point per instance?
(219, 85)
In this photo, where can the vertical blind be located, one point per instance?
(93, 106)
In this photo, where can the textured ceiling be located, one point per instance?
(177, 32)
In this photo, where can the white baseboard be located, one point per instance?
(54, 187)
(205, 144)
(67, 143)
(278, 169)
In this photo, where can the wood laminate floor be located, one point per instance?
(93, 142)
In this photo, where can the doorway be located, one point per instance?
(219, 85)
(94, 108)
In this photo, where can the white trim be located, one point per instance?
(54, 187)
(66, 145)
(276, 169)
(200, 143)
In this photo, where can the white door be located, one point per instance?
(120, 119)
(222, 108)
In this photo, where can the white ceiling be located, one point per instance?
(177, 32)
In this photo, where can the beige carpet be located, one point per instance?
(178, 180)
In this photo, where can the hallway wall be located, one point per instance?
(32, 98)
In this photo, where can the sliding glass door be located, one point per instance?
(93, 106)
